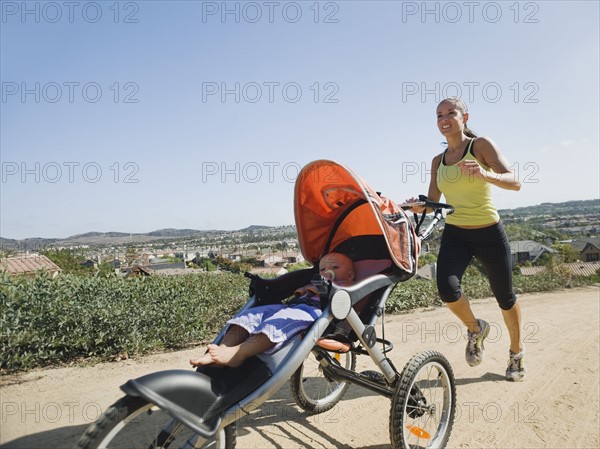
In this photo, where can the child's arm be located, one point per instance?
(307, 289)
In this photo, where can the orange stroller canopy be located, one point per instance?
(332, 204)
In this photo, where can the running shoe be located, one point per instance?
(475, 349)
(516, 366)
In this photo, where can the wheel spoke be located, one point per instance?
(312, 387)
(423, 405)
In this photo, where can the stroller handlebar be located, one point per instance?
(438, 215)
(440, 211)
(424, 201)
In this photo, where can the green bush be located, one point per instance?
(423, 293)
(47, 321)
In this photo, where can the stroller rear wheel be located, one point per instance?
(313, 391)
(424, 403)
(133, 422)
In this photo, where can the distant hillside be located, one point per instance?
(553, 221)
(176, 233)
(584, 207)
(30, 244)
(116, 238)
(254, 228)
(99, 234)
(570, 217)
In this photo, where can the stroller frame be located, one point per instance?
(210, 400)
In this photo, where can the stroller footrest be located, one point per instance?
(331, 344)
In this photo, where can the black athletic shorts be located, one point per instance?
(490, 246)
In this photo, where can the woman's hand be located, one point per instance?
(415, 209)
(472, 169)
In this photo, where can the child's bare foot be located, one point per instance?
(225, 355)
(206, 359)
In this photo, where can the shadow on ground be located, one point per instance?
(278, 411)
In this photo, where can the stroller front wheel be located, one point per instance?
(424, 403)
(312, 390)
(133, 422)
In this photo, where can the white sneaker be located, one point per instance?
(516, 366)
(475, 348)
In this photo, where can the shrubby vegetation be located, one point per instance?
(47, 321)
(423, 293)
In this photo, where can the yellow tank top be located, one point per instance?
(470, 196)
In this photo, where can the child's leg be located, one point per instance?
(239, 331)
(233, 337)
(234, 356)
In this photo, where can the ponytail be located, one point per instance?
(468, 132)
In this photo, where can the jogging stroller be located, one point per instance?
(335, 211)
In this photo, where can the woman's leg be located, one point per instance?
(462, 310)
(515, 370)
(454, 257)
(512, 319)
(495, 257)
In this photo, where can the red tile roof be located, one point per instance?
(583, 268)
(576, 268)
(28, 264)
(531, 271)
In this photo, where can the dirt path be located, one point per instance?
(556, 406)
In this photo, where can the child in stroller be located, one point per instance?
(265, 329)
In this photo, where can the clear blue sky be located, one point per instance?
(136, 116)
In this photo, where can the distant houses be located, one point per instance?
(588, 249)
(273, 263)
(164, 269)
(528, 251)
(271, 271)
(280, 259)
(527, 255)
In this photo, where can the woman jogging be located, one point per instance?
(464, 173)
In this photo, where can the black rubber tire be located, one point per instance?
(412, 415)
(312, 391)
(136, 415)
